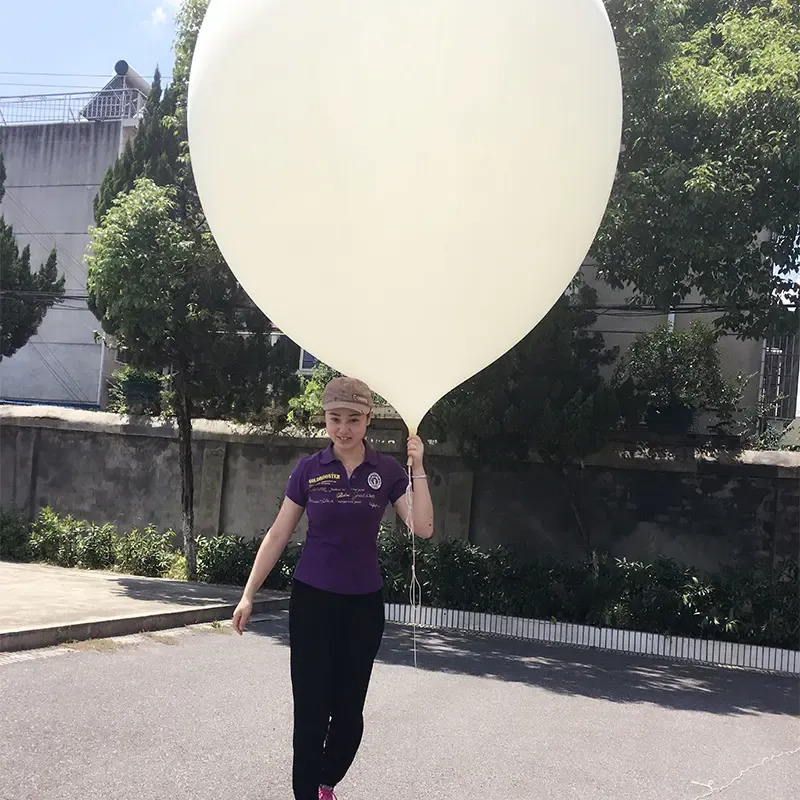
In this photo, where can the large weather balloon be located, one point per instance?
(405, 187)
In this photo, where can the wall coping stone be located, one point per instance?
(628, 456)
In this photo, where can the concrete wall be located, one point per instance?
(708, 512)
(699, 512)
(53, 174)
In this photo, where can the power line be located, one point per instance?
(69, 344)
(638, 332)
(38, 240)
(52, 85)
(67, 374)
(50, 369)
(69, 74)
(689, 308)
(69, 255)
(55, 358)
(50, 185)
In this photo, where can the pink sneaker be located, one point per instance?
(326, 793)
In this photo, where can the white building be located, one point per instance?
(57, 149)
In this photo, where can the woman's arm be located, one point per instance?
(422, 504)
(273, 545)
(268, 554)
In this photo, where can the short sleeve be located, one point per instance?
(297, 486)
(398, 481)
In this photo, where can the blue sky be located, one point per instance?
(79, 41)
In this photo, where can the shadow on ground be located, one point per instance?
(614, 677)
(182, 592)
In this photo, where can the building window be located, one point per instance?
(307, 362)
(121, 355)
(781, 374)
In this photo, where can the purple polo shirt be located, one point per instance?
(344, 517)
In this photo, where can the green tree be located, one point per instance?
(677, 373)
(159, 288)
(160, 150)
(706, 195)
(25, 295)
(546, 395)
(158, 282)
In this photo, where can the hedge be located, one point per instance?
(756, 606)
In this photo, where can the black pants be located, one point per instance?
(334, 640)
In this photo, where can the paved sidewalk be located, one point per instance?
(41, 605)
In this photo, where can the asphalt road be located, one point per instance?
(206, 715)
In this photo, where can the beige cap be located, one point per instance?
(349, 393)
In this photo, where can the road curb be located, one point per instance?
(50, 636)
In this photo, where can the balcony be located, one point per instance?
(118, 103)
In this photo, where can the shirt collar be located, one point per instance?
(327, 455)
(370, 454)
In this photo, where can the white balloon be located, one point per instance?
(405, 187)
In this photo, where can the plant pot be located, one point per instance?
(669, 420)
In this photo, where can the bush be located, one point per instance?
(762, 605)
(135, 391)
(68, 542)
(756, 606)
(96, 547)
(280, 579)
(225, 559)
(752, 606)
(14, 534)
(146, 552)
(228, 560)
(177, 570)
(54, 539)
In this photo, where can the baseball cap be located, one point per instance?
(349, 393)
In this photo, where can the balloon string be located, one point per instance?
(415, 590)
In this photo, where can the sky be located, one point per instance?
(79, 41)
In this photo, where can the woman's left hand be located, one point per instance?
(416, 450)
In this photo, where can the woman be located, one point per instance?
(336, 612)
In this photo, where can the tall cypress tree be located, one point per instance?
(153, 153)
(25, 296)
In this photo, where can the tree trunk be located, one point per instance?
(591, 552)
(184, 419)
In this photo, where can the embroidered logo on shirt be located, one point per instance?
(374, 481)
(329, 476)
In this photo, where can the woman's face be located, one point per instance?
(346, 428)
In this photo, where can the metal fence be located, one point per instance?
(106, 104)
(679, 648)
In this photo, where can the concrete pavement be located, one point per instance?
(202, 714)
(42, 605)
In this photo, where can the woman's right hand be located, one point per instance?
(241, 616)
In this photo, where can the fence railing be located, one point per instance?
(677, 648)
(103, 105)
